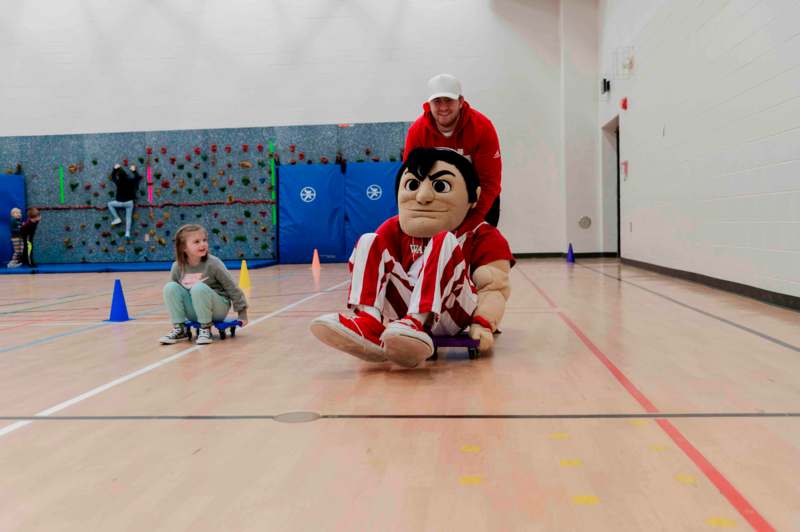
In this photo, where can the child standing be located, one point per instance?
(15, 228)
(27, 232)
(201, 288)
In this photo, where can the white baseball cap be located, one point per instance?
(444, 86)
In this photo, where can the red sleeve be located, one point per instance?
(413, 137)
(489, 245)
(489, 166)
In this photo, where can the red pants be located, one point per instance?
(438, 282)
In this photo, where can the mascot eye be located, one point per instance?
(411, 185)
(441, 186)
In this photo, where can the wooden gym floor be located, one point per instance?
(616, 399)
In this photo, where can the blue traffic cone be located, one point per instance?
(570, 254)
(119, 311)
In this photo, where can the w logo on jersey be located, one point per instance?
(416, 249)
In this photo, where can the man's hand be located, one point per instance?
(116, 166)
(132, 168)
(244, 322)
(483, 335)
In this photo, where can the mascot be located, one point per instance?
(423, 272)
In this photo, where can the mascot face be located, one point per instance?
(435, 202)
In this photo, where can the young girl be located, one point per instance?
(201, 288)
(15, 226)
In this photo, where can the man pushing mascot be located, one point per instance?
(423, 272)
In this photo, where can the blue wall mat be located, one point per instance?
(311, 213)
(369, 198)
(12, 194)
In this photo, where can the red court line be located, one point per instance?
(724, 486)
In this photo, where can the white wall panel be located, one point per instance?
(713, 136)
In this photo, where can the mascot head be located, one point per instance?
(436, 188)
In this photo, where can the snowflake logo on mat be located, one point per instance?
(308, 194)
(374, 192)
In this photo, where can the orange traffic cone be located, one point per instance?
(315, 274)
(315, 261)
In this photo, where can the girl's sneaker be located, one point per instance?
(204, 336)
(177, 334)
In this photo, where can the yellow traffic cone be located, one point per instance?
(244, 277)
(315, 261)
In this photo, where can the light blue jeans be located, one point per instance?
(128, 205)
(200, 304)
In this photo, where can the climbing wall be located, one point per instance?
(223, 179)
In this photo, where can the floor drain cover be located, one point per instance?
(297, 417)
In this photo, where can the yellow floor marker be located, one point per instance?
(637, 422)
(558, 436)
(585, 500)
(685, 478)
(470, 449)
(720, 522)
(657, 448)
(576, 462)
(471, 480)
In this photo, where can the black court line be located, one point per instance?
(700, 311)
(695, 415)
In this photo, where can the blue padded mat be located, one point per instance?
(12, 194)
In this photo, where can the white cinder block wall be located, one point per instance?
(712, 135)
(81, 66)
(579, 89)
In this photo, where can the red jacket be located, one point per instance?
(474, 137)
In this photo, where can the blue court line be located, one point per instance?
(63, 299)
(83, 329)
(121, 380)
(46, 339)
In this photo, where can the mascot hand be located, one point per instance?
(116, 167)
(483, 335)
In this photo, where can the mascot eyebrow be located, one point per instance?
(441, 173)
(437, 175)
